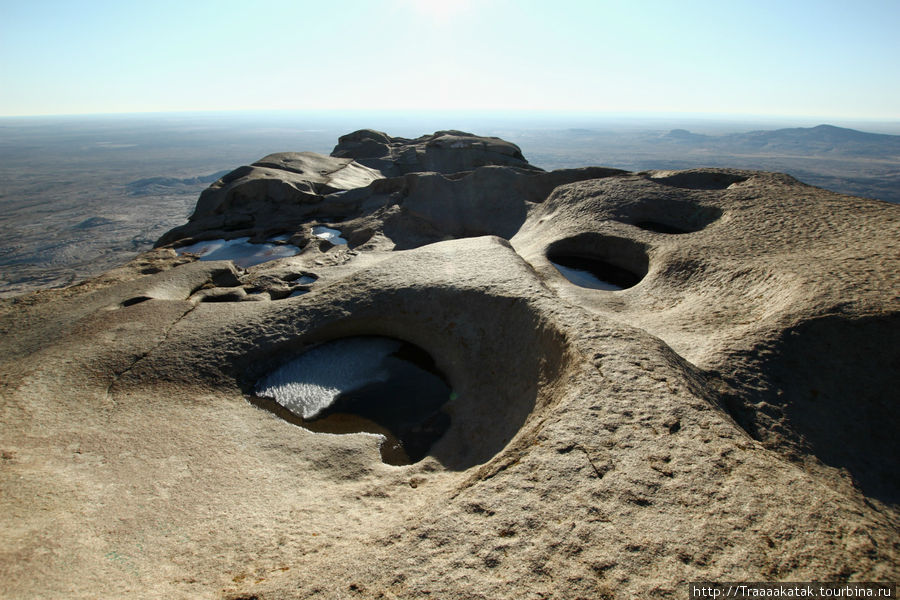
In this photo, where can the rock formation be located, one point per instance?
(730, 414)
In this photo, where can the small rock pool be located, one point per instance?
(364, 384)
(240, 251)
(327, 233)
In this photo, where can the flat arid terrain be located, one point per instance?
(80, 195)
(444, 365)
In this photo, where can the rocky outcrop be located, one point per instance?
(727, 415)
(442, 152)
(422, 190)
(287, 186)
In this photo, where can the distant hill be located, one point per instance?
(818, 141)
(151, 186)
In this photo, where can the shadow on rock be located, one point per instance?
(828, 388)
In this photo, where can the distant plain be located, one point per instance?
(80, 195)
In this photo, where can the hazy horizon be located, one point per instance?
(415, 123)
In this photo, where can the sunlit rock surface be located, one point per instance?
(442, 152)
(729, 414)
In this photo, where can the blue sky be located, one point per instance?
(787, 57)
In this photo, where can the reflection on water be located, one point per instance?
(327, 233)
(239, 250)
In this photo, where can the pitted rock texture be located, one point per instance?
(730, 416)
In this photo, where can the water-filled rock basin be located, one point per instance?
(363, 384)
(586, 273)
(239, 250)
(600, 262)
(327, 233)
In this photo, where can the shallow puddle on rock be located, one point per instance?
(239, 250)
(327, 233)
(363, 385)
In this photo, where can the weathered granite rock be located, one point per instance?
(368, 171)
(729, 416)
(283, 186)
(442, 152)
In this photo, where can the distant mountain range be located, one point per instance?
(836, 158)
(822, 140)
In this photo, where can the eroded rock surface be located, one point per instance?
(728, 416)
(442, 152)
